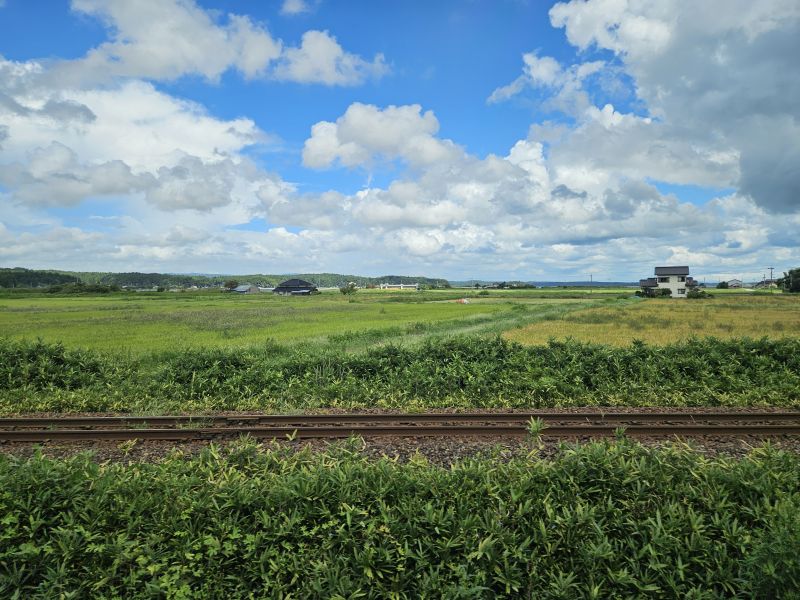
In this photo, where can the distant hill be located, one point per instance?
(31, 278)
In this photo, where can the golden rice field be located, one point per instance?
(656, 321)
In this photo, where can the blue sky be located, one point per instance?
(500, 140)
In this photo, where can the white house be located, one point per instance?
(674, 279)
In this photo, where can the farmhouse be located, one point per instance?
(674, 279)
(295, 287)
(734, 283)
(246, 288)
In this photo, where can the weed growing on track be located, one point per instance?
(457, 372)
(610, 520)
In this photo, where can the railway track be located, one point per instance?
(557, 424)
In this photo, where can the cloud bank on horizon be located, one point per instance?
(606, 136)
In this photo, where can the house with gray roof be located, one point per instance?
(673, 278)
(246, 288)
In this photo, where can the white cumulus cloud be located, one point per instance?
(320, 59)
(720, 77)
(294, 7)
(165, 39)
(365, 133)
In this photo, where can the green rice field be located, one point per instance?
(141, 323)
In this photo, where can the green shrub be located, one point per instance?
(464, 372)
(610, 520)
(698, 294)
(40, 366)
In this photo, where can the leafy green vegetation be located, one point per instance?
(438, 372)
(605, 520)
(790, 281)
(698, 294)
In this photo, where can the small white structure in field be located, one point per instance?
(399, 286)
(674, 279)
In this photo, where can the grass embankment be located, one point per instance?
(668, 321)
(611, 520)
(458, 372)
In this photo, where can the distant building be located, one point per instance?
(295, 287)
(246, 288)
(675, 279)
(734, 283)
(399, 286)
(766, 284)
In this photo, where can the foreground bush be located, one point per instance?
(606, 520)
(463, 372)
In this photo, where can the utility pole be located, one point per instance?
(591, 282)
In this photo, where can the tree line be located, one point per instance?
(33, 278)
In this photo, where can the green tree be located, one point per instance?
(349, 288)
(722, 285)
(231, 284)
(790, 282)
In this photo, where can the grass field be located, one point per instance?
(657, 321)
(153, 322)
(205, 352)
(145, 323)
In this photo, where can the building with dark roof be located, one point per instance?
(295, 287)
(674, 278)
(667, 271)
(246, 288)
(650, 282)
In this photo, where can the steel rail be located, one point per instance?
(210, 433)
(336, 419)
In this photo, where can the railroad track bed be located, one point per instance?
(581, 424)
(133, 446)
